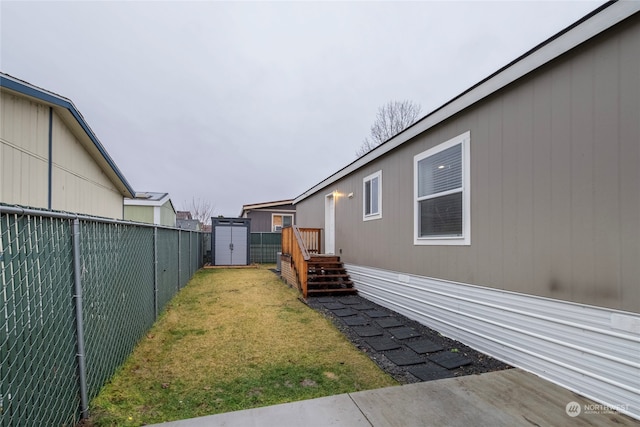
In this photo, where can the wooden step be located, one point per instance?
(327, 276)
(317, 292)
(322, 281)
(326, 265)
(326, 271)
(324, 259)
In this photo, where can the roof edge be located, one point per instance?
(147, 202)
(265, 205)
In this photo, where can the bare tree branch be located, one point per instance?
(391, 119)
(201, 210)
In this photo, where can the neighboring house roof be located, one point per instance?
(148, 198)
(263, 205)
(183, 215)
(188, 224)
(601, 19)
(72, 117)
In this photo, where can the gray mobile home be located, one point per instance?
(509, 218)
(270, 217)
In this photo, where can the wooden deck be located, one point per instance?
(315, 274)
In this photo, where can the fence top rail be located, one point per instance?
(20, 210)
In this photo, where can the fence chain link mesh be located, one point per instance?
(39, 380)
(265, 247)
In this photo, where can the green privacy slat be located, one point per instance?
(265, 246)
(39, 382)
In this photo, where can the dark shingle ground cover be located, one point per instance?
(405, 349)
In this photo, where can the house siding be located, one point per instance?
(590, 350)
(78, 182)
(139, 213)
(261, 218)
(24, 151)
(555, 207)
(260, 221)
(167, 215)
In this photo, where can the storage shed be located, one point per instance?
(230, 244)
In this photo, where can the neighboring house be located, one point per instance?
(183, 215)
(152, 208)
(270, 216)
(188, 224)
(185, 221)
(50, 158)
(509, 218)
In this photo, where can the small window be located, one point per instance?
(442, 194)
(278, 222)
(372, 191)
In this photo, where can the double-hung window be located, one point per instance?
(372, 200)
(278, 222)
(442, 194)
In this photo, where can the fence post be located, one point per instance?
(179, 257)
(77, 282)
(155, 273)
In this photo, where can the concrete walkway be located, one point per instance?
(504, 398)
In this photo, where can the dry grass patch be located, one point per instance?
(233, 339)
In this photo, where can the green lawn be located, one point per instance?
(232, 339)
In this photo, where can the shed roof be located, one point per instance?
(594, 23)
(72, 117)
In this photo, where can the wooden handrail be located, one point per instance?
(299, 243)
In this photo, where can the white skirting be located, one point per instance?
(591, 350)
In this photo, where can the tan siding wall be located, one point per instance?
(24, 148)
(167, 215)
(139, 213)
(79, 184)
(555, 206)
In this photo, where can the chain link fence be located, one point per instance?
(265, 246)
(77, 294)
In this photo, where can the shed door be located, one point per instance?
(238, 246)
(223, 245)
(231, 244)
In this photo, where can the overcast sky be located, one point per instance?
(245, 102)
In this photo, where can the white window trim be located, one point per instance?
(273, 226)
(377, 215)
(465, 239)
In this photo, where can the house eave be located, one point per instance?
(247, 208)
(146, 202)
